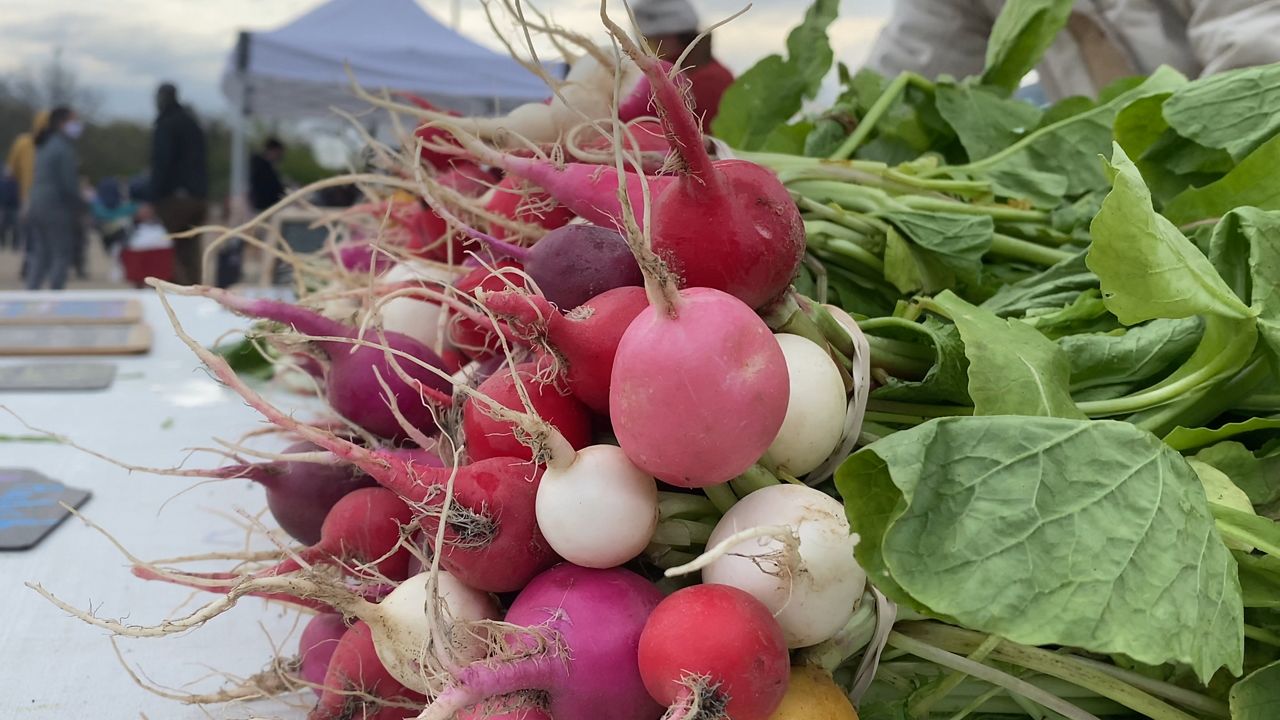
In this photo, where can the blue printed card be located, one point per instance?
(30, 507)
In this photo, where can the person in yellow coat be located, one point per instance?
(21, 165)
(21, 162)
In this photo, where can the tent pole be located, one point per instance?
(238, 200)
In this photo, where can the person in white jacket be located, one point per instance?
(1104, 40)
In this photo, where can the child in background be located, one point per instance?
(113, 213)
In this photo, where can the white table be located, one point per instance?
(55, 666)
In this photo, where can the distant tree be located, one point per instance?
(51, 84)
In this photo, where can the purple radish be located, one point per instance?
(580, 649)
(319, 639)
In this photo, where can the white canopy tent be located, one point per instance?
(299, 70)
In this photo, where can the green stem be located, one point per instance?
(921, 707)
(855, 252)
(874, 113)
(857, 222)
(918, 409)
(721, 496)
(681, 533)
(684, 506)
(996, 212)
(1014, 685)
(1064, 667)
(755, 478)
(1199, 408)
(976, 703)
(895, 419)
(1015, 249)
(886, 354)
(1261, 403)
(1159, 396)
(1262, 635)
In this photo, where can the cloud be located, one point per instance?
(125, 47)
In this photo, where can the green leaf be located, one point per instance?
(1246, 527)
(901, 266)
(1181, 438)
(941, 243)
(1236, 111)
(1257, 697)
(1258, 477)
(1251, 183)
(1259, 579)
(1013, 369)
(1141, 124)
(1050, 288)
(1066, 108)
(1022, 33)
(1068, 149)
(947, 381)
(787, 139)
(984, 121)
(1085, 312)
(1147, 268)
(245, 358)
(1139, 353)
(1049, 531)
(1246, 244)
(1220, 491)
(771, 92)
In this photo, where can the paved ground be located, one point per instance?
(99, 276)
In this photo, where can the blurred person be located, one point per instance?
(10, 203)
(265, 186)
(21, 164)
(55, 205)
(1102, 42)
(671, 27)
(179, 183)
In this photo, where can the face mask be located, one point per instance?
(73, 129)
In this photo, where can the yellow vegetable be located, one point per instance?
(813, 695)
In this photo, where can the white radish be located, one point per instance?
(595, 508)
(421, 320)
(816, 409)
(401, 628)
(790, 547)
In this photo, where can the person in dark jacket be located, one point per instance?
(10, 203)
(265, 186)
(179, 179)
(55, 205)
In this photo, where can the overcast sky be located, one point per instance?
(124, 47)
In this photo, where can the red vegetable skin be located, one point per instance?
(356, 684)
(472, 339)
(585, 340)
(489, 437)
(316, 646)
(699, 390)
(513, 200)
(720, 643)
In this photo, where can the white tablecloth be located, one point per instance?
(55, 666)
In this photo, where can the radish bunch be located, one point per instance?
(542, 395)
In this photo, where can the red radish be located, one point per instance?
(474, 340)
(362, 257)
(583, 341)
(729, 225)
(316, 647)
(716, 648)
(646, 138)
(352, 386)
(467, 178)
(357, 686)
(513, 200)
(432, 136)
(699, 388)
(488, 437)
(300, 494)
(362, 528)
(580, 648)
(506, 708)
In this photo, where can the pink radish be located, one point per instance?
(699, 388)
(474, 340)
(488, 437)
(714, 646)
(352, 385)
(467, 178)
(512, 200)
(583, 627)
(316, 647)
(357, 686)
(584, 341)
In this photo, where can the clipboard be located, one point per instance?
(69, 312)
(74, 339)
(53, 375)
